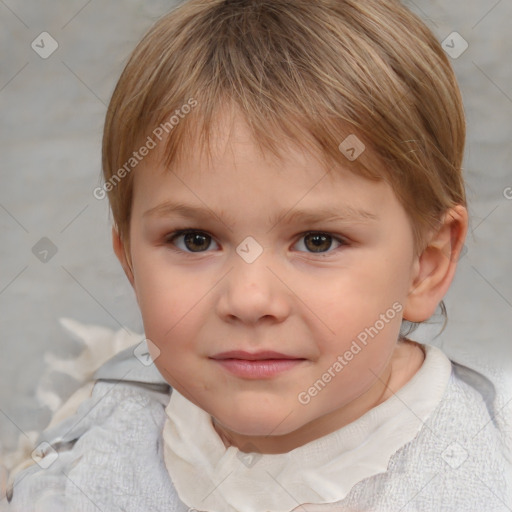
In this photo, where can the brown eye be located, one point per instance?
(319, 242)
(191, 241)
(197, 241)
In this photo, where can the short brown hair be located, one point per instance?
(313, 71)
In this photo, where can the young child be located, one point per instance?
(312, 150)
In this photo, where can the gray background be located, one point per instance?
(52, 112)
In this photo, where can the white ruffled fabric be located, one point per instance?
(210, 477)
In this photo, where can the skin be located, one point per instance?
(199, 297)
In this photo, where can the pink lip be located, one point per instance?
(248, 356)
(258, 365)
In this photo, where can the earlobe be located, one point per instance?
(120, 251)
(435, 267)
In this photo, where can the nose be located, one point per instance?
(253, 292)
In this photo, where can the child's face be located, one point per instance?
(304, 304)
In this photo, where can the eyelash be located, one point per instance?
(170, 239)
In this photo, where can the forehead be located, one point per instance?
(235, 178)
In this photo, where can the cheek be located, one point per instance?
(172, 324)
(354, 298)
(167, 299)
(362, 310)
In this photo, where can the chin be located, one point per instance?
(257, 424)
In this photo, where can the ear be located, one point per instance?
(120, 250)
(435, 267)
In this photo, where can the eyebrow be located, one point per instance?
(324, 214)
